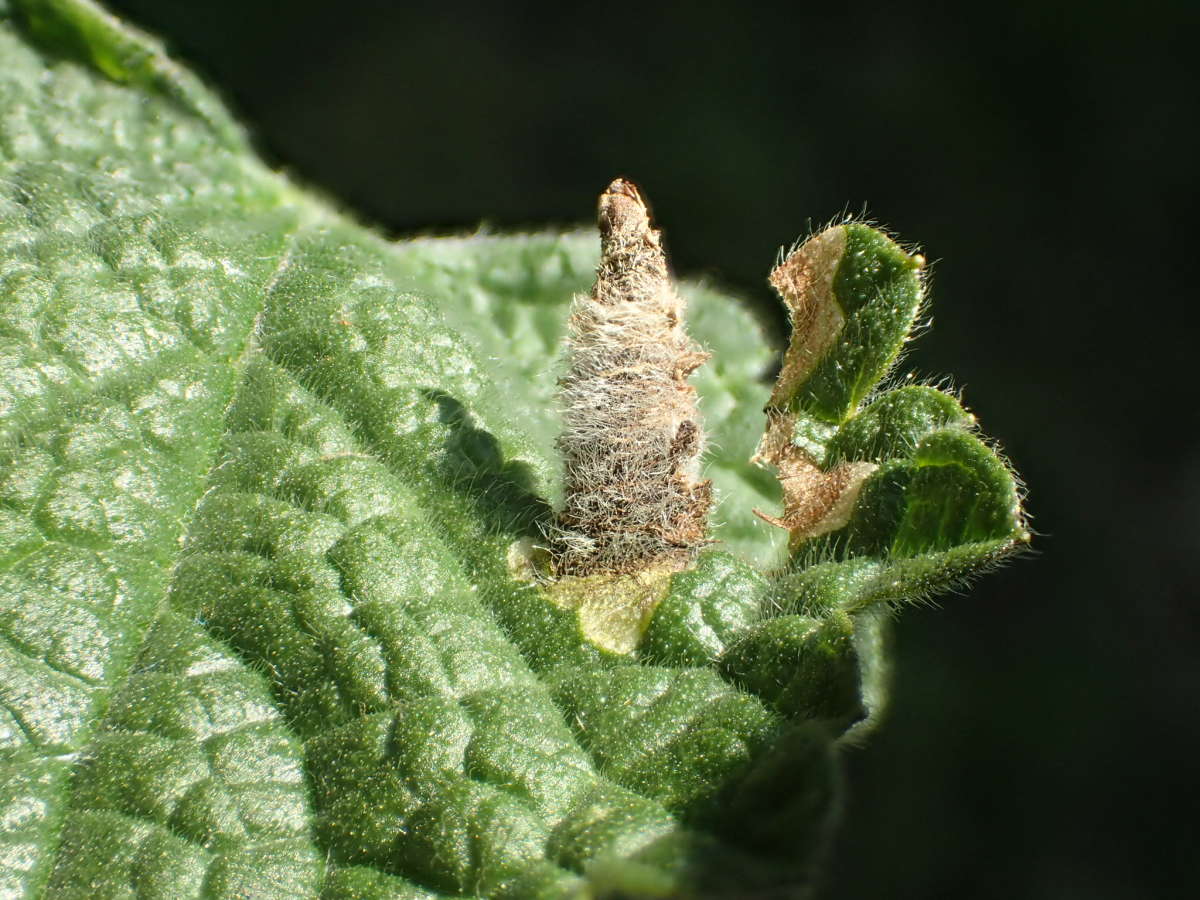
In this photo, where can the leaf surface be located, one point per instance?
(268, 488)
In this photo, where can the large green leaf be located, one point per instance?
(270, 495)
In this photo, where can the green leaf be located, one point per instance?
(271, 490)
(903, 480)
(938, 506)
(853, 294)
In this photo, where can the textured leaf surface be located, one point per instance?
(270, 491)
(259, 637)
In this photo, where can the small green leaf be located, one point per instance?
(853, 295)
(890, 427)
(953, 490)
(902, 477)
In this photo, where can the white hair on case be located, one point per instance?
(632, 435)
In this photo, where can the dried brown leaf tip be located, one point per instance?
(632, 435)
(815, 501)
(804, 281)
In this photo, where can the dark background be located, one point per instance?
(1044, 740)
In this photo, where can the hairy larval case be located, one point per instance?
(632, 435)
